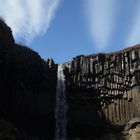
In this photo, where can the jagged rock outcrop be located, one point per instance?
(6, 37)
(103, 86)
(27, 86)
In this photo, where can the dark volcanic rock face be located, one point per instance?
(102, 91)
(6, 37)
(27, 85)
(103, 87)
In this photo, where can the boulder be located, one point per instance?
(132, 123)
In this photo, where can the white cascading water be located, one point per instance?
(61, 106)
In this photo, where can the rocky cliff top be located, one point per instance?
(6, 37)
(125, 50)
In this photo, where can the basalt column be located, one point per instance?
(103, 86)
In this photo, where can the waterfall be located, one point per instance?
(61, 106)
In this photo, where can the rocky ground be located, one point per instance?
(131, 132)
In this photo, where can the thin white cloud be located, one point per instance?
(100, 17)
(28, 18)
(134, 36)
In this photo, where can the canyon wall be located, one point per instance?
(103, 87)
(102, 90)
(27, 86)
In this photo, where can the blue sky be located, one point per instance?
(62, 29)
(67, 35)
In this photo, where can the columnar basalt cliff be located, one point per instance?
(102, 92)
(103, 87)
(27, 86)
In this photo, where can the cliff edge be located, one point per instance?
(103, 88)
